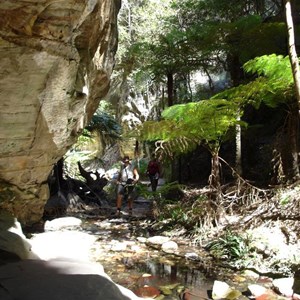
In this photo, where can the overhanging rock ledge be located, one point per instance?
(56, 60)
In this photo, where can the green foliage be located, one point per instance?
(84, 138)
(187, 125)
(103, 123)
(106, 124)
(272, 66)
(264, 38)
(213, 27)
(178, 215)
(285, 201)
(175, 213)
(230, 246)
(207, 120)
(140, 23)
(192, 211)
(273, 86)
(179, 37)
(142, 167)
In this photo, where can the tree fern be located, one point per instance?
(273, 66)
(105, 124)
(273, 86)
(186, 125)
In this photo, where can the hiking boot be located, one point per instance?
(116, 214)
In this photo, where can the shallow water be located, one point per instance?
(160, 275)
(183, 279)
(145, 270)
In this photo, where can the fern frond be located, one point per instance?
(273, 86)
(271, 66)
(187, 125)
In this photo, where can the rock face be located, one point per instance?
(56, 59)
(59, 279)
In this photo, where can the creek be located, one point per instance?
(144, 269)
(121, 247)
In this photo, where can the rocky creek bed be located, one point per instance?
(144, 261)
(164, 266)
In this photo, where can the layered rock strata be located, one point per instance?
(56, 58)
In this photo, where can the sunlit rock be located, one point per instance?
(61, 223)
(169, 246)
(221, 290)
(191, 256)
(118, 247)
(257, 290)
(284, 286)
(157, 240)
(63, 244)
(12, 239)
(56, 61)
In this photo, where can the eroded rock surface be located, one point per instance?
(56, 60)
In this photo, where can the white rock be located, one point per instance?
(157, 240)
(191, 255)
(12, 238)
(257, 290)
(136, 248)
(59, 279)
(284, 286)
(169, 246)
(67, 244)
(141, 239)
(119, 247)
(60, 223)
(220, 290)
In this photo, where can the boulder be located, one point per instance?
(13, 243)
(56, 61)
(58, 279)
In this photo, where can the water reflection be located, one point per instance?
(172, 278)
(148, 272)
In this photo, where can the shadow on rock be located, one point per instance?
(58, 279)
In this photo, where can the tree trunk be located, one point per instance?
(180, 169)
(214, 178)
(234, 67)
(294, 119)
(292, 49)
(170, 85)
(238, 149)
(95, 184)
(293, 133)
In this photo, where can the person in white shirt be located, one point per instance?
(128, 175)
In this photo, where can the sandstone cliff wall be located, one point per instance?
(56, 58)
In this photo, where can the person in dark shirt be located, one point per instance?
(153, 171)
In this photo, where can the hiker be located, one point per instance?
(128, 175)
(153, 171)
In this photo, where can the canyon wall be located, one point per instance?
(56, 59)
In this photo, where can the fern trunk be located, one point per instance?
(238, 148)
(215, 178)
(292, 49)
(294, 132)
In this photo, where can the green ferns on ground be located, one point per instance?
(229, 246)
